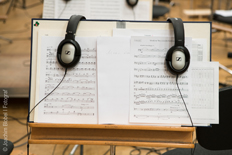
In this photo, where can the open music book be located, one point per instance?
(122, 79)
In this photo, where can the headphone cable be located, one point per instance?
(38, 104)
(192, 150)
(183, 100)
(66, 3)
(133, 10)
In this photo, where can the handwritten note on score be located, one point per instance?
(154, 97)
(75, 100)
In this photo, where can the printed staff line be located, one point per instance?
(152, 50)
(148, 63)
(158, 89)
(83, 50)
(70, 94)
(67, 106)
(157, 102)
(71, 100)
(49, 86)
(158, 109)
(159, 83)
(82, 81)
(72, 75)
(68, 113)
(166, 117)
(171, 96)
(79, 63)
(76, 69)
(149, 69)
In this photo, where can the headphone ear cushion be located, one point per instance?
(169, 56)
(77, 53)
(132, 3)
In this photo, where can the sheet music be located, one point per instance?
(199, 46)
(113, 61)
(92, 9)
(75, 100)
(139, 12)
(104, 9)
(49, 9)
(205, 77)
(154, 97)
(64, 10)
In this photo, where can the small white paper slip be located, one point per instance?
(113, 63)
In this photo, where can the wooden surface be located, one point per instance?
(101, 126)
(197, 12)
(222, 27)
(124, 135)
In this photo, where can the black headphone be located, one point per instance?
(69, 51)
(178, 57)
(132, 3)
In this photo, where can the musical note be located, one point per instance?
(153, 50)
(71, 94)
(67, 87)
(89, 50)
(171, 96)
(148, 63)
(68, 113)
(67, 106)
(143, 102)
(158, 89)
(149, 56)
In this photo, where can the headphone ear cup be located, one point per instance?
(77, 53)
(132, 3)
(169, 60)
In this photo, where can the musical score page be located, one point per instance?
(75, 100)
(154, 97)
(205, 95)
(92, 9)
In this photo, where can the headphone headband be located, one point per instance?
(69, 51)
(72, 26)
(178, 31)
(178, 56)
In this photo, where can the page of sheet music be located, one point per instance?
(205, 77)
(49, 9)
(75, 100)
(92, 9)
(64, 9)
(139, 12)
(154, 97)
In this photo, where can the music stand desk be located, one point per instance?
(123, 135)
